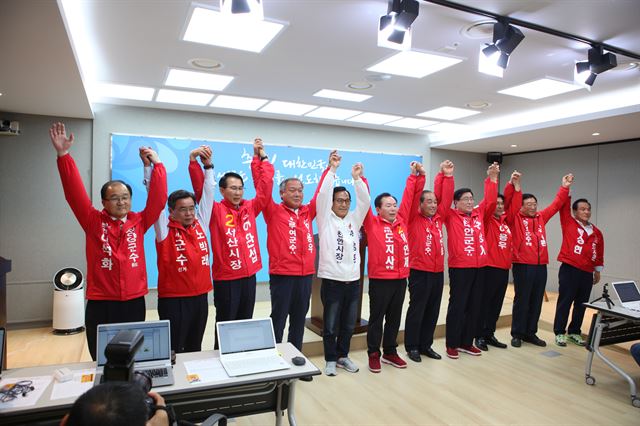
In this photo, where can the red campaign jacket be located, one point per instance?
(183, 261)
(234, 236)
(499, 241)
(466, 241)
(426, 250)
(292, 250)
(579, 249)
(387, 245)
(116, 267)
(529, 233)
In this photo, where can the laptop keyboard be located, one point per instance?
(157, 372)
(255, 364)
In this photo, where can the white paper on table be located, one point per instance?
(82, 381)
(205, 370)
(40, 383)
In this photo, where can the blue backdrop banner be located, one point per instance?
(385, 172)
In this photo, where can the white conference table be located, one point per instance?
(232, 396)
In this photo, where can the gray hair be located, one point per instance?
(283, 184)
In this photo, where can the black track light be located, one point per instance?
(597, 62)
(395, 26)
(505, 39)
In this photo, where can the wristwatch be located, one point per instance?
(210, 166)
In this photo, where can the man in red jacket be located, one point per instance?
(530, 256)
(184, 275)
(388, 269)
(292, 255)
(467, 256)
(234, 236)
(114, 238)
(582, 257)
(499, 248)
(426, 276)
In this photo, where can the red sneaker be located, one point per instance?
(452, 353)
(374, 363)
(471, 350)
(395, 360)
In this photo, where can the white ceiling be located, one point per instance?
(327, 44)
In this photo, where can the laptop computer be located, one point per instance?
(248, 347)
(628, 294)
(154, 356)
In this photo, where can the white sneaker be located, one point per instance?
(330, 368)
(348, 365)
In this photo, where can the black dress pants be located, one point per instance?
(529, 282)
(385, 306)
(496, 280)
(188, 318)
(425, 296)
(574, 289)
(465, 296)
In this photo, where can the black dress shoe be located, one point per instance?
(481, 344)
(414, 355)
(492, 341)
(307, 379)
(430, 353)
(516, 342)
(535, 340)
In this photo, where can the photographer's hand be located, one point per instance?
(161, 417)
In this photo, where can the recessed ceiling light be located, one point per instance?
(332, 113)
(238, 102)
(539, 89)
(122, 91)
(0, 94)
(211, 27)
(414, 64)
(447, 128)
(343, 96)
(197, 80)
(360, 85)
(448, 113)
(478, 30)
(478, 104)
(374, 118)
(182, 97)
(289, 108)
(411, 123)
(205, 64)
(513, 145)
(595, 134)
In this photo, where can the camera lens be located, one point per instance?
(143, 380)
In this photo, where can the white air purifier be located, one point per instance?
(68, 301)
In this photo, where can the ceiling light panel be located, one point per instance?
(182, 97)
(374, 118)
(414, 64)
(539, 89)
(340, 95)
(211, 27)
(447, 128)
(122, 91)
(411, 123)
(448, 113)
(197, 80)
(332, 113)
(238, 102)
(289, 108)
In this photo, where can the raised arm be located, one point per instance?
(410, 202)
(195, 172)
(443, 187)
(205, 205)
(513, 196)
(324, 199)
(74, 190)
(363, 198)
(488, 204)
(561, 197)
(262, 172)
(157, 197)
(160, 226)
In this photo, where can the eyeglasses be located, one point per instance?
(342, 201)
(124, 198)
(187, 209)
(235, 188)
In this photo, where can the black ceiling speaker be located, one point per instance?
(494, 157)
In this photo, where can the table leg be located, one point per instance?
(279, 405)
(292, 397)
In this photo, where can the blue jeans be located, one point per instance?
(340, 310)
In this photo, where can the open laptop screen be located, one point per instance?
(156, 345)
(245, 335)
(627, 291)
